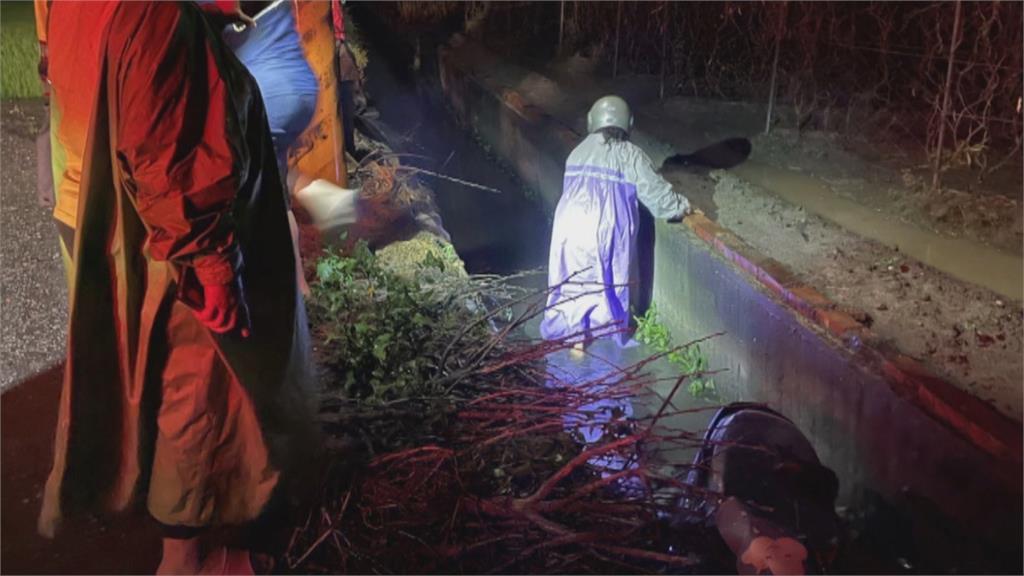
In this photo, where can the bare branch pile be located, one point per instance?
(481, 455)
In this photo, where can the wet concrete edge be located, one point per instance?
(973, 418)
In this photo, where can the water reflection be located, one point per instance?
(603, 399)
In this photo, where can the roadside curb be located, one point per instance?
(969, 416)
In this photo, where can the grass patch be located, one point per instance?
(19, 51)
(689, 359)
(381, 328)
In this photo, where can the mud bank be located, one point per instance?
(962, 332)
(878, 418)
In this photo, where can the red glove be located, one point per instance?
(224, 309)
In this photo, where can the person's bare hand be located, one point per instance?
(688, 211)
(241, 17)
(224, 12)
(225, 309)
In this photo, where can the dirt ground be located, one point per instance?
(889, 180)
(968, 334)
(965, 333)
(880, 175)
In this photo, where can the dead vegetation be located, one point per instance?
(856, 68)
(464, 451)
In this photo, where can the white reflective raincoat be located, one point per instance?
(593, 242)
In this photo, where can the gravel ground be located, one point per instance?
(33, 295)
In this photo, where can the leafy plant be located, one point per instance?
(380, 331)
(689, 359)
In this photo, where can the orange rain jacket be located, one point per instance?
(179, 186)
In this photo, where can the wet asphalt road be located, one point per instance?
(126, 543)
(33, 295)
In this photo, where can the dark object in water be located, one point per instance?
(722, 155)
(765, 491)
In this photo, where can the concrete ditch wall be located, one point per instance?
(878, 419)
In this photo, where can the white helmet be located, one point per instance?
(609, 111)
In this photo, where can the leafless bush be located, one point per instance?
(843, 66)
(982, 125)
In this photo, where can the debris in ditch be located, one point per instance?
(457, 449)
(862, 317)
(466, 183)
(984, 340)
(960, 359)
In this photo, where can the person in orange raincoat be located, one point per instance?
(187, 369)
(71, 102)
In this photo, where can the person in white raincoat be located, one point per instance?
(592, 261)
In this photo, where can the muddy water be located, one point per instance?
(969, 261)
